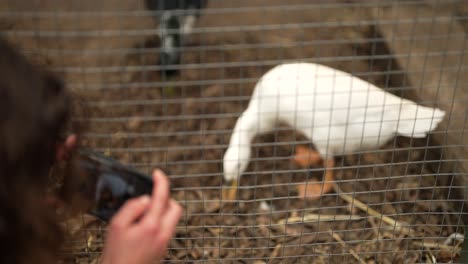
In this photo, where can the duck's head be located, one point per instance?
(235, 163)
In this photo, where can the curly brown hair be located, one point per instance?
(34, 110)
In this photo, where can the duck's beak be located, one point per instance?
(229, 190)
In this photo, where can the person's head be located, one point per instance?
(34, 110)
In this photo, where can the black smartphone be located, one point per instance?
(109, 184)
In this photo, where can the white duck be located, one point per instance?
(339, 112)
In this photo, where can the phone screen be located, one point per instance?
(109, 184)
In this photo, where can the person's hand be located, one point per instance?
(140, 231)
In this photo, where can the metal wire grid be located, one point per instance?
(183, 124)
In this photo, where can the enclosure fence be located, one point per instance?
(395, 201)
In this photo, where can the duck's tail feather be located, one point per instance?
(417, 120)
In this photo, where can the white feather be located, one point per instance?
(339, 112)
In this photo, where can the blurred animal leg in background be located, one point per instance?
(188, 24)
(170, 39)
(306, 157)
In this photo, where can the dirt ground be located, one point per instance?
(183, 124)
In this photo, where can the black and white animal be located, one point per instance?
(176, 20)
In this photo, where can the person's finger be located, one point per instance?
(174, 212)
(170, 220)
(160, 195)
(130, 212)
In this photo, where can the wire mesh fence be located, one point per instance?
(398, 201)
